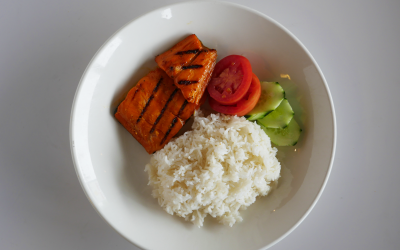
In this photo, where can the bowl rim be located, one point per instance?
(239, 6)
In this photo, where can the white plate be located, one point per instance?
(110, 163)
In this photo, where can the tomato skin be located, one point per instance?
(244, 105)
(230, 80)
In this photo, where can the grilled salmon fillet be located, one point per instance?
(154, 110)
(190, 65)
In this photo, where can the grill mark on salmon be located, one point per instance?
(169, 130)
(192, 67)
(134, 94)
(163, 110)
(193, 51)
(187, 82)
(182, 108)
(149, 100)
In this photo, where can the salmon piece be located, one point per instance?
(146, 112)
(181, 54)
(190, 65)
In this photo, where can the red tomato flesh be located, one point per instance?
(231, 79)
(244, 105)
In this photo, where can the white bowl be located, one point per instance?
(110, 162)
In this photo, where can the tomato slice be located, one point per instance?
(244, 105)
(231, 79)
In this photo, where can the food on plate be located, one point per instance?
(231, 79)
(264, 102)
(280, 117)
(225, 161)
(272, 95)
(217, 168)
(190, 64)
(154, 110)
(275, 115)
(287, 136)
(245, 105)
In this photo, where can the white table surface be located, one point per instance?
(45, 46)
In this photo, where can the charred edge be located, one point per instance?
(187, 82)
(193, 51)
(149, 100)
(163, 110)
(192, 67)
(182, 108)
(169, 130)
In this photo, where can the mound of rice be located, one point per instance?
(217, 168)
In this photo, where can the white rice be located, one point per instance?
(217, 168)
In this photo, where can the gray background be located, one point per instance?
(45, 46)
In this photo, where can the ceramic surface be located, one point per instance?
(110, 162)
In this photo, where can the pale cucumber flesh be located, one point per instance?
(272, 95)
(280, 117)
(284, 136)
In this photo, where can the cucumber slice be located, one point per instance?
(272, 95)
(284, 136)
(255, 116)
(280, 117)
